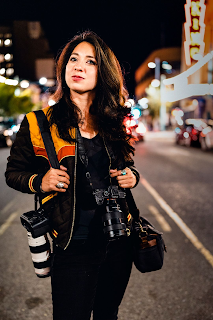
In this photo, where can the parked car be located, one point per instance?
(206, 136)
(8, 130)
(189, 135)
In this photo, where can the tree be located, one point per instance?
(11, 104)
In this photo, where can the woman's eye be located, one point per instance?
(92, 62)
(73, 59)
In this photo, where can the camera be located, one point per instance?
(36, 222)
(114, 225)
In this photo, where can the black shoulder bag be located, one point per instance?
(148, 243)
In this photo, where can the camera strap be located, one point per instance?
(47, 139)
(48, 142)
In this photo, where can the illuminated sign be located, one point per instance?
(184, 90)
(194, 30)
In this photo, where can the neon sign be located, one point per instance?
(194, 30)
(184, 90)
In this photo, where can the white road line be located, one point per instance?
(7, 223)
(174, 216)
(163, 223)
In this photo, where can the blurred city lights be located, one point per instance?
(166, 65)
(177, 130)
(2, 79)
(141, 128)
(195, 102)
(24, 84)
(186, 135)
(180, 122)
(17, 92)
(142, 102)
(43, 81)
(155, 83)
(152, 65)
(130, 103)
(8, 56)
(11, 82)
(2, 71)
(8, 42)
(136, 113)
(51, 102)
(9, 71)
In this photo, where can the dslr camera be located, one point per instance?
(36, 222)
(114, 221)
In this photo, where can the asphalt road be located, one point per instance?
(175, 194)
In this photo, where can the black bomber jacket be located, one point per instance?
(27, 164)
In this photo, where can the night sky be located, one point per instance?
(133, 29)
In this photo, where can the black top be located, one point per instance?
(88, 213)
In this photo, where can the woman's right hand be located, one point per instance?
(54, 176)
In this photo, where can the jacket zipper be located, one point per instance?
(110, 162)
(74, 193)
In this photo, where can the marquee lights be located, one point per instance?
(184, 90)
(194, 30)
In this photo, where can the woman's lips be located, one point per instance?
(77, 78)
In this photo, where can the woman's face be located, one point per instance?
(82, 70)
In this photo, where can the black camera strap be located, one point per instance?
(47, 139)
(48, 142)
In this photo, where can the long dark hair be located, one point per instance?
(109, 104)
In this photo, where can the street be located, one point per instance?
(175, 194)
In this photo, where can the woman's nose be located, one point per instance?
(78, 67)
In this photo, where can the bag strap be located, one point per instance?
(47, 139)
(132, 205)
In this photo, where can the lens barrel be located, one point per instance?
(114, 225)
(40, 252)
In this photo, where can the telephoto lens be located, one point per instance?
(40, 252)
(113, 220)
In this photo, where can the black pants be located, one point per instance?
(90, 276)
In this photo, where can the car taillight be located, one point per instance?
(194, 131)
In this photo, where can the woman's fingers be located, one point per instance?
(127, 180)
(53, 177)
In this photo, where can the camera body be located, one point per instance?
(114, 221)
(112, 192)
(36, 222)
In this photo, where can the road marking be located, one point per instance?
(174, 216)
(7, 223)
(163, 223)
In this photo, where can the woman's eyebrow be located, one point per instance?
(77, 54)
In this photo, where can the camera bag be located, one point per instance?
(148, 243)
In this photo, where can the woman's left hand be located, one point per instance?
(125, 181)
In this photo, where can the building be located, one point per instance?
(198, 106)
(25, 52)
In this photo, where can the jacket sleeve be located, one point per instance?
(22, 172)
(130, 165)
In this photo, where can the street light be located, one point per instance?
(158, 82)
(43, 81)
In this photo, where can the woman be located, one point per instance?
(89, 272)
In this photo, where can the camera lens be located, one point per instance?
(113, 220)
